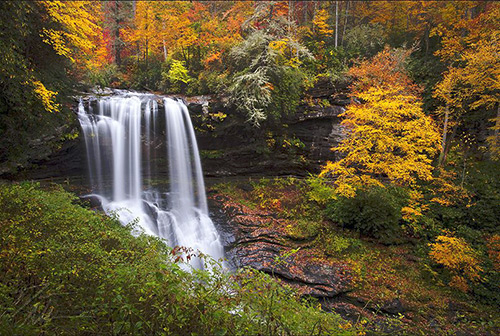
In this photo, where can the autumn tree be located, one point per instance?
(71, 29)
(458, 257)
(221, 30)
(117, 16)
(42, 42)
(472, 80)
(389, 138)
(268, 81)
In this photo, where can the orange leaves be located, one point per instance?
(458, 29)
(459, 258)
(190, 29)
(387, 67)
(212, 58)
(160, 24)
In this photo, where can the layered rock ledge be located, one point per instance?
(255, 238)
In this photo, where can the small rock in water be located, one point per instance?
(92, 202)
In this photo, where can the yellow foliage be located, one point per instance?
(471, 46)
(286, 52)
(389, 137)
(46, 96)
(446, 193)
(459, 258)
(77, 31)
(320, 22)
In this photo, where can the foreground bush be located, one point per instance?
(67, 270)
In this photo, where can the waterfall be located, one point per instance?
(130, 145)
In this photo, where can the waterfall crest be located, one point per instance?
(127, 141)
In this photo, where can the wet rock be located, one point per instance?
(92, 202)
(245, 151)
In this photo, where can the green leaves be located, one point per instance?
(66, 269)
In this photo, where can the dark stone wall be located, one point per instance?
(240, 148)
(232, 146)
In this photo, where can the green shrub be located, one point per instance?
(106, 76)
(320, 191)
(303, 229)
(288, 86)
(66, 270)
(375, 212)
(335, 244)
(483, 182)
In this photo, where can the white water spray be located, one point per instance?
(122, 141)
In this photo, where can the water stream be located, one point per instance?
(130, 140)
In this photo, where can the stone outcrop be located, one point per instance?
(241, 149)
(255, 238)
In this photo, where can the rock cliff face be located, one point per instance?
(256, 238)
(238, 149)
(231, 146)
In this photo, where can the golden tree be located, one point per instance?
(459, 258)
(389, 137)
(76, 32)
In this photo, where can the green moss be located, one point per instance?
(211, 154)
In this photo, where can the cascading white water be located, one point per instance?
(122, 141)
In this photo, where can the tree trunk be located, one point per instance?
(443, 141)
(116, 42)
(165, 54)
(448, 143)
(426, 37)
(164, 50)
(336, 23)
(345, 22)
